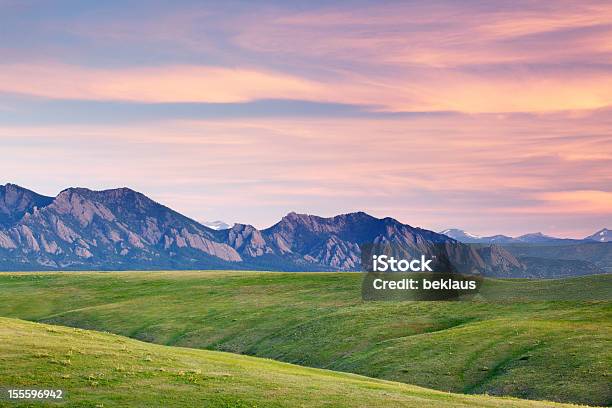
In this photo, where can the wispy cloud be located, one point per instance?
(155, 84)
(424, 91)
(443, 56)
(573, 202)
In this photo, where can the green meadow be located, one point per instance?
(104, 370)
(532, 345)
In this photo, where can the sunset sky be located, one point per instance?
(493, 117)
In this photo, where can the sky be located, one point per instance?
(493, 117)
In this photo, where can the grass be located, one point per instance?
(541, 349)
(104, 370)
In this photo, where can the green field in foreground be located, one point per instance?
(104, 370)
(545, 349)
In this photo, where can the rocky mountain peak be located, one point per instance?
(16, 201)
(115, 195)
(603, 235)
(322, 224)
(247, 240)
(295, 218)
(535, 237)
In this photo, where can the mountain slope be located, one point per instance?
(98, 369)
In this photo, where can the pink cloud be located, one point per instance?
(424, 91)
(164, 84)
(397, 57)
(485, 171)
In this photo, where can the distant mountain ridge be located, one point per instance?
(123, 229)
(546, 256)
(531, 238)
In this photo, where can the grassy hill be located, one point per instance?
(97, 370)
(536, 349)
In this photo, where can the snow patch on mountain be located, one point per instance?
(216, 225)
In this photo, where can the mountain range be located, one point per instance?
(603, 235)
(119, 229)
(545, 256)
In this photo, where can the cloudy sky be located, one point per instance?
(494, 117)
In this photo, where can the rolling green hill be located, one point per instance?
(103, 370)
(537, 349)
